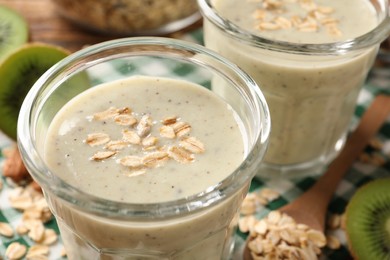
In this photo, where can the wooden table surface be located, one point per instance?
(47, 26)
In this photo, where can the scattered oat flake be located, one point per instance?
(269, 194)
(273, 236)
(259, 14)
(155, 159)
(125, 120)
(308, 26)
(149, 141)
(317, 15)
(192, 144)
(15, 251)
(96, 139)
(22, 202)
(101, 155)
(109, 113)
(250, 196)
(329, 21)
(6, 229)
(181, 128)
(246, 223)
(169, 120)
(151, 148)
(167, 132)
(46, 215)
(131, 161)
(269, 26)
(248, 207)
(180, 155)
(131, 136)
(32, 213)
(261, 200)
(256, 247)
(287, 220)
(333, 30)
(283, 22)
(296, 20)
(325, 9)
(309, 6)
(29, 223)
(37, 250)
(261, 227)
(302, 226)
(144, 125)
(37, 232)
(49, 237)
(333, 221)
(274, 216)
(267, 247)
(136, 172)
(116, 145)
(317, 237)
(272, 4)
(332, 242)
(287, 235)
(21, 229)
(124, 110)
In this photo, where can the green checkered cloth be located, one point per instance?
(358, 174)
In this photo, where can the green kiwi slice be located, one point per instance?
(368, 221)
(13, 30)
(18, 73)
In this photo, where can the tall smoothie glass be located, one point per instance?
(198, 226)
(310, 59)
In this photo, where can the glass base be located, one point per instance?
(218, 246)
(301, 170)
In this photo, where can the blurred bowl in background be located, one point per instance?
(130, 17)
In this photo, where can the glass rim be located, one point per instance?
(114, 209)
(375, 36)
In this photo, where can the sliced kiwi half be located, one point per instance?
(368, 221)
(18, 73)
(13, 30)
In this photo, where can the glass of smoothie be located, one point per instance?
(310, 58)
(137, 156)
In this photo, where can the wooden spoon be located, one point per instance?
(311, 207)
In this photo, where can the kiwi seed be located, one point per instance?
(368, 221)
(13, 30)
(18, 73)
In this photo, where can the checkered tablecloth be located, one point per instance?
(357, 175)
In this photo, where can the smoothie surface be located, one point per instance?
(145, 140)
(301, 21)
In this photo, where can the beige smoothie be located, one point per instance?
(145, 140)
(311, 97)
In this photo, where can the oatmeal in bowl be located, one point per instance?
(130, 17)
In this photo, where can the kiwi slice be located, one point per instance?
(13, 30)
(368, 221)
(18, 73)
